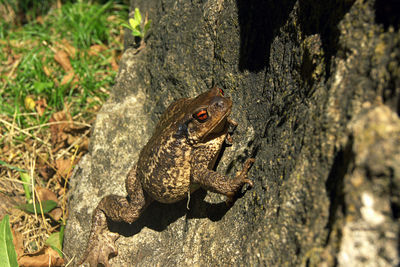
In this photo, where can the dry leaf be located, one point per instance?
(44, 258)
(112, 18)
(10, 60)
(70, 76)
(114, 64)
(84, 144)
(46, 194)
(41, 106)
(67, 47)
(96, 49)
(18, 242)
(62, 58)
(47, 71)
(56, 214)
(58, 137)
(64, 134)
(40, 20)
(12, 70)
(61, 190)
(63, 166)
(43, 158)
(46, 172)
(70, 49)
(10, 200)
(5, 149)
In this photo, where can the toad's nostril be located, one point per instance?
(218, 102)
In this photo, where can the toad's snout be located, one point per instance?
(220, 103)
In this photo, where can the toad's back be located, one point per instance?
(164, 163)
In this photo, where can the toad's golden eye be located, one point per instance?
(201, 115)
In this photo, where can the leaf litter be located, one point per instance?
(45, 152)
(50, 161)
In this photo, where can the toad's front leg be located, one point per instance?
(115, 208)
(218, 183)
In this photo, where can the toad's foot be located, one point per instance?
(241, 179)
(100, 247)
(242, 175)
(101, 241)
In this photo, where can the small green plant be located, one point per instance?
(139, 27)
(55, 241)
(7, 250)
(43, 206)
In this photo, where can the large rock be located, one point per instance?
(315, 86)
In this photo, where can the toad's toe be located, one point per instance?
(100, 249)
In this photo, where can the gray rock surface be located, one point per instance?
(316, 92)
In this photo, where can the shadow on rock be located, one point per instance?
(159, 216)
(259, 23)
(387, 13)
(322, 17)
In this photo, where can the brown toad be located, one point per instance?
(177, 160)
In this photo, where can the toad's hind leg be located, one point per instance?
(118, 209)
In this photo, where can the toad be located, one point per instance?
(178, 159)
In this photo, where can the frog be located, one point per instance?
(178, 159)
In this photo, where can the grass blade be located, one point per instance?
(11, 167)
(27, 182)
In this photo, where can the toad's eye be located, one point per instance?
(201, 115)
(221, 91)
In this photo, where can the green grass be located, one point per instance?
(27, 50)
(84, 23)
(31, 74)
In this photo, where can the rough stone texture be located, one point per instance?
(316, 92)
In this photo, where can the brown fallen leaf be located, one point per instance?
(96, 49)
(46, 172)
(58, 137)
(84, 144)
(114, 64)
(64, 167)
(5, 149)
(48, 71)
(46, 194)
(62, 58)
(56, 214)
(44, 167)
(112, 18)
(67, 47)
(10, 60)
(44, 258)
(10, 200)
(41, 106)
(70, 49)
(39, 19)
(64, 134)
(69, 77)
(18, 242)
